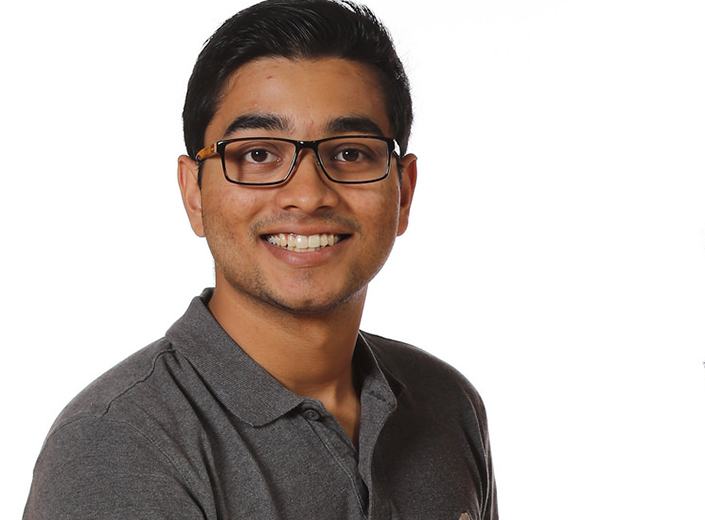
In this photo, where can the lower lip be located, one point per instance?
(307, 259)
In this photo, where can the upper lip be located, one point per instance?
(304, 233)
(307, 230)
(326, 226)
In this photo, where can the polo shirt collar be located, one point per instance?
(240, 383)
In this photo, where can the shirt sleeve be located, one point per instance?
(489, 508)
(97, 468)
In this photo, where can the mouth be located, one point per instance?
(303, 243)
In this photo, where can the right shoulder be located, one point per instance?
(112, 445)
(96, 400)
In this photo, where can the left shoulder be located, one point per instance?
(419, 370)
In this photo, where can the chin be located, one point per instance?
(314, 307)
(296, 297)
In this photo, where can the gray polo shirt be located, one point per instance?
(191, 427)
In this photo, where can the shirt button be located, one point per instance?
(311, 414)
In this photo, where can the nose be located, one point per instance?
(307, 189)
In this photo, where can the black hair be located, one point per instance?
(294, 29)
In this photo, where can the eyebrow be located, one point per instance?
(358, 124)
(258, 122)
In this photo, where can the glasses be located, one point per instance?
(263, 161)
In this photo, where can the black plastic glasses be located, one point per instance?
(264, 161)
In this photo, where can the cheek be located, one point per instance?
(380, 212)
(228, 214)
(236, 204)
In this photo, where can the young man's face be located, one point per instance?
(302, 100)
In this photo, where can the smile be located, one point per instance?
(303, 243)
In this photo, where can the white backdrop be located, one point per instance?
(556, 253)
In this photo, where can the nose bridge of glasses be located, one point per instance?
(307, 185)
(305, 149)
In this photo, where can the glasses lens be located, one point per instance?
(355, 159)
(258, 161)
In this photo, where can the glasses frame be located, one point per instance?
(219, 147)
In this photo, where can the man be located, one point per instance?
(265, 400)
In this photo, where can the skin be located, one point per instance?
(298, 314)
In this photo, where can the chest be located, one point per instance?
(304, 466)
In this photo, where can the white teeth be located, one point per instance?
(303, 243)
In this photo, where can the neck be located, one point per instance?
(308, 353)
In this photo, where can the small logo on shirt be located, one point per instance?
(464, 516)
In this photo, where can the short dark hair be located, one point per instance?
(295, 29)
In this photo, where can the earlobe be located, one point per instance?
(191, 193)
(408, 185)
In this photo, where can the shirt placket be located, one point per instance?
(339, 446)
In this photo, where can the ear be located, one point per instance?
(191, 193)
(408, 185)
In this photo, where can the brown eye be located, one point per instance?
(259, 156)
(349, 155)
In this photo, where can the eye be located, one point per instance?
(350, 154)
(259, 155)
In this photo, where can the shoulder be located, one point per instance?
(420, 372)
(123, 381)
(105, 456)
(115, 439)
(439, 423)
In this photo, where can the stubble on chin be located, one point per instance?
(256, 289)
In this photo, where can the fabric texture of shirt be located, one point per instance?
(191, 427)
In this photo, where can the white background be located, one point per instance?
(556, 253)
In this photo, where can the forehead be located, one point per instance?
(304, 95)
